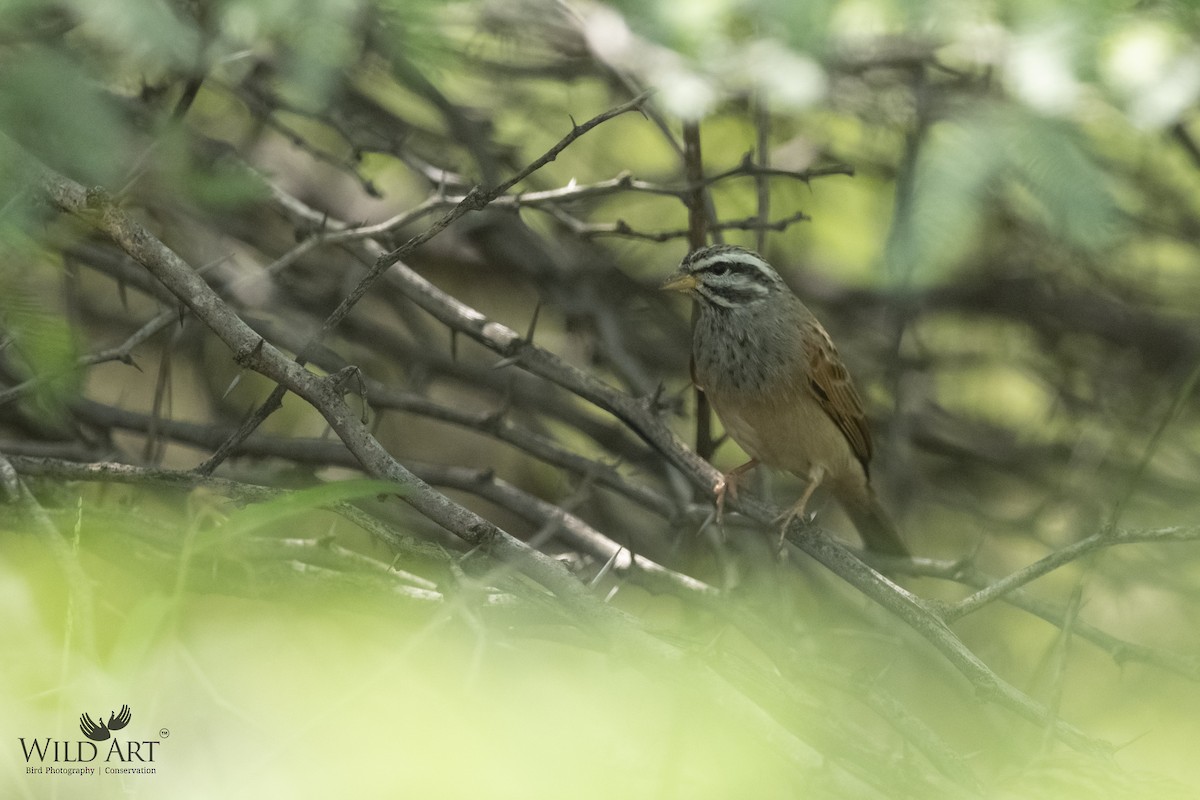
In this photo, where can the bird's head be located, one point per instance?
(726, 276)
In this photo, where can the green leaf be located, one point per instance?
(55, 110)
(994, 154)
(1072, 194)
(45, 347)
(297, 503)
(934, 229)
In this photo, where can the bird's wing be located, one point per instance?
(830, 383)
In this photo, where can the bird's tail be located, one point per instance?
(875, 526)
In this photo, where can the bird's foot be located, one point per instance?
(727, 485)
(786, 519)
(815, 475)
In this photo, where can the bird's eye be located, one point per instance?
(720, 269)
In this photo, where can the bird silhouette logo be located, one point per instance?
(99, 731)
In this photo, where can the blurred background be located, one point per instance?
(992, 206)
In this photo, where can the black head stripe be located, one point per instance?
(732, 277)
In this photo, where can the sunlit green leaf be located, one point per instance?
(54, 108)
(300, 502)
(43, 347)
(972, 162)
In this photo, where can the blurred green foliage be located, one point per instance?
(998, 156)
(293, 680)
(996, 147)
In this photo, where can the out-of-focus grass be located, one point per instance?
(260, 683)
(340, 695)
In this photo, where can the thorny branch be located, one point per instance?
(475, 200)
(255, 353)
(357, 447)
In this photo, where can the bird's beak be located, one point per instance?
(679, 282)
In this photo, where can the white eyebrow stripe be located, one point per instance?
(730, 256)
(735, 254)
(738, 256)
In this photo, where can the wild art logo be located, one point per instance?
(98, 732)
(124, 755)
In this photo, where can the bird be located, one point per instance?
(774, 378)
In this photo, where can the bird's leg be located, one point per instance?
(816, 474)
(727, 484)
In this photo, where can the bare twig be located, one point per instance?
(1120, 650)
(1061, 557)
(622, 228)
(698, 218)
(475, 200)
(762, 160)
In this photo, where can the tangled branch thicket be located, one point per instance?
(485, 336)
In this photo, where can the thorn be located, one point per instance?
(656, 398)
(468, 554)
(232, 384)
(343, 375)
(507, 362)
(537, 309)
(604, 570)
